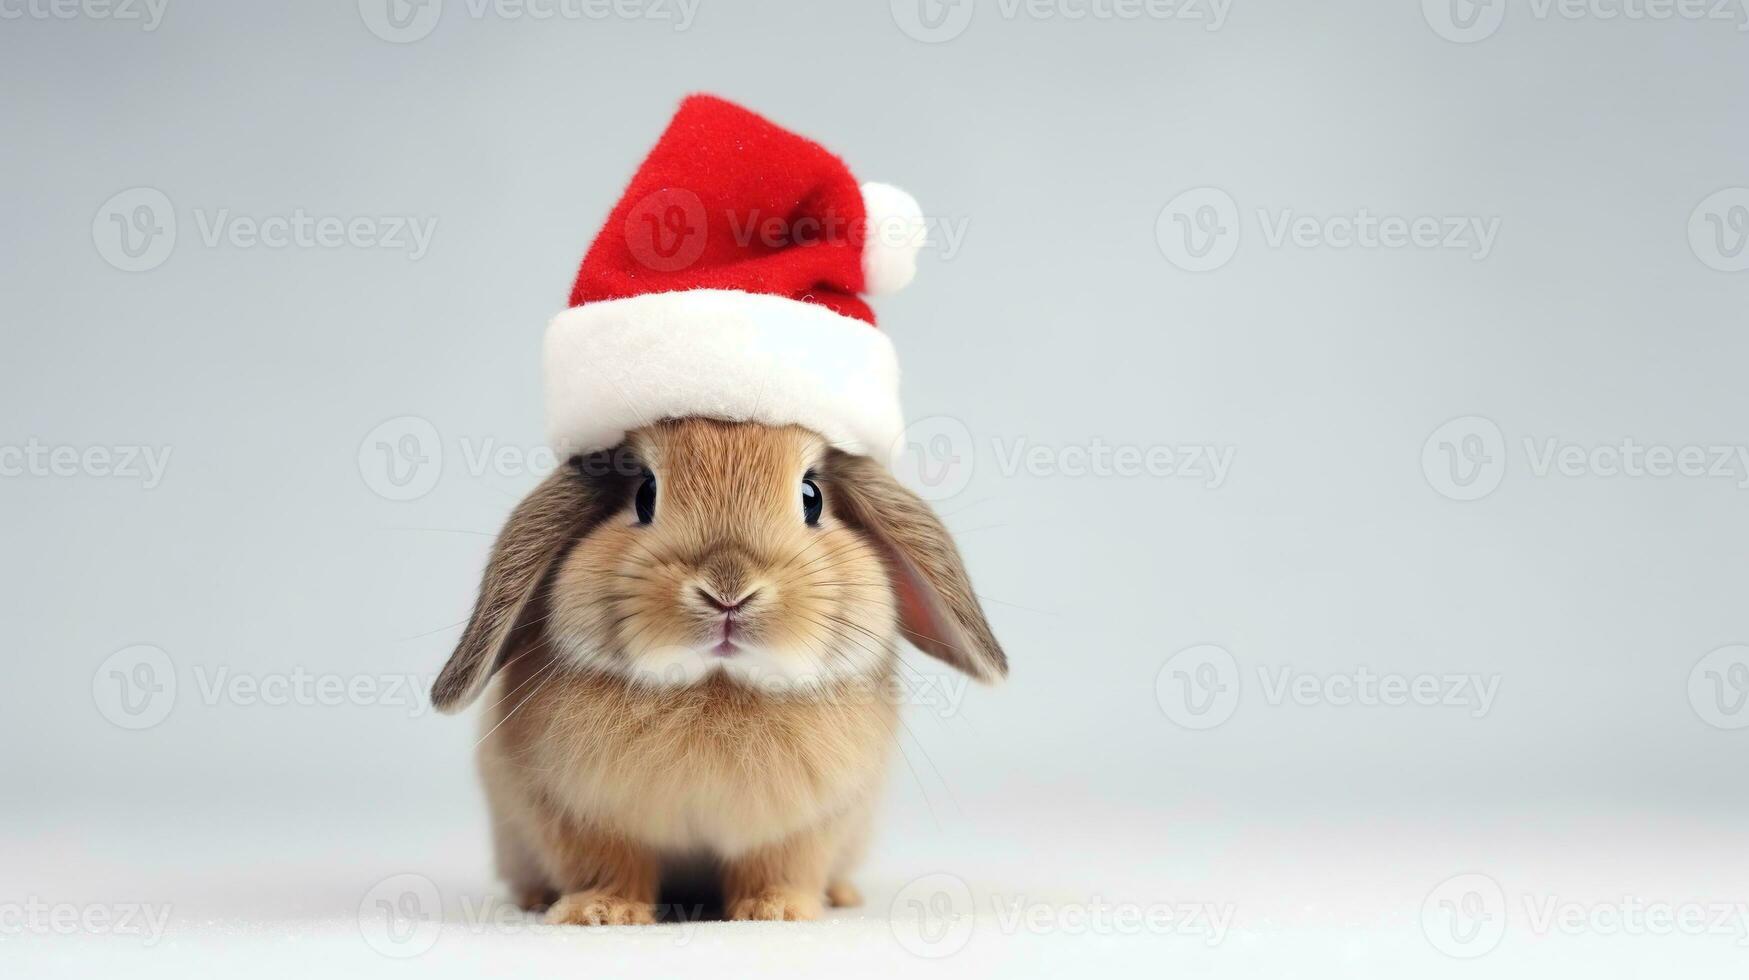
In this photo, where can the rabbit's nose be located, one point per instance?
(721, 603)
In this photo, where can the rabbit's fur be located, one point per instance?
(711, 688)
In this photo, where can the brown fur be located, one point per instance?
(614, 754)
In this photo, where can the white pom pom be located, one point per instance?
(895, 234)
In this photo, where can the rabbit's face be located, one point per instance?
(726, 557)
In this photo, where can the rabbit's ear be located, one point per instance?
(554, 516)
(938, 611)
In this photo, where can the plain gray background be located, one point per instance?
(1060, 319)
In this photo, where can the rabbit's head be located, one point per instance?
(701, 547)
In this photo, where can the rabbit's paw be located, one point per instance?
(776, 905)
(842, 895)
(599, 909)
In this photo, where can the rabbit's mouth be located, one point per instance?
(729, 635)
(720, 633)
(726, 614)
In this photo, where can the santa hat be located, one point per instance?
(728, 283)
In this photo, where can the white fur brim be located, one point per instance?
(616, 365)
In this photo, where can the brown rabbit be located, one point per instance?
(693, 638)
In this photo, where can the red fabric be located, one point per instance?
(729, 200)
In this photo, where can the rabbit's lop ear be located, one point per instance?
(938, 611)
(558, 512)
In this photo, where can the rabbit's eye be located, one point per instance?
(646, 501)
(811, 502)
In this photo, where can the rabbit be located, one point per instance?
(689, 643)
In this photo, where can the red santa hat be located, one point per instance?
(729, 283)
